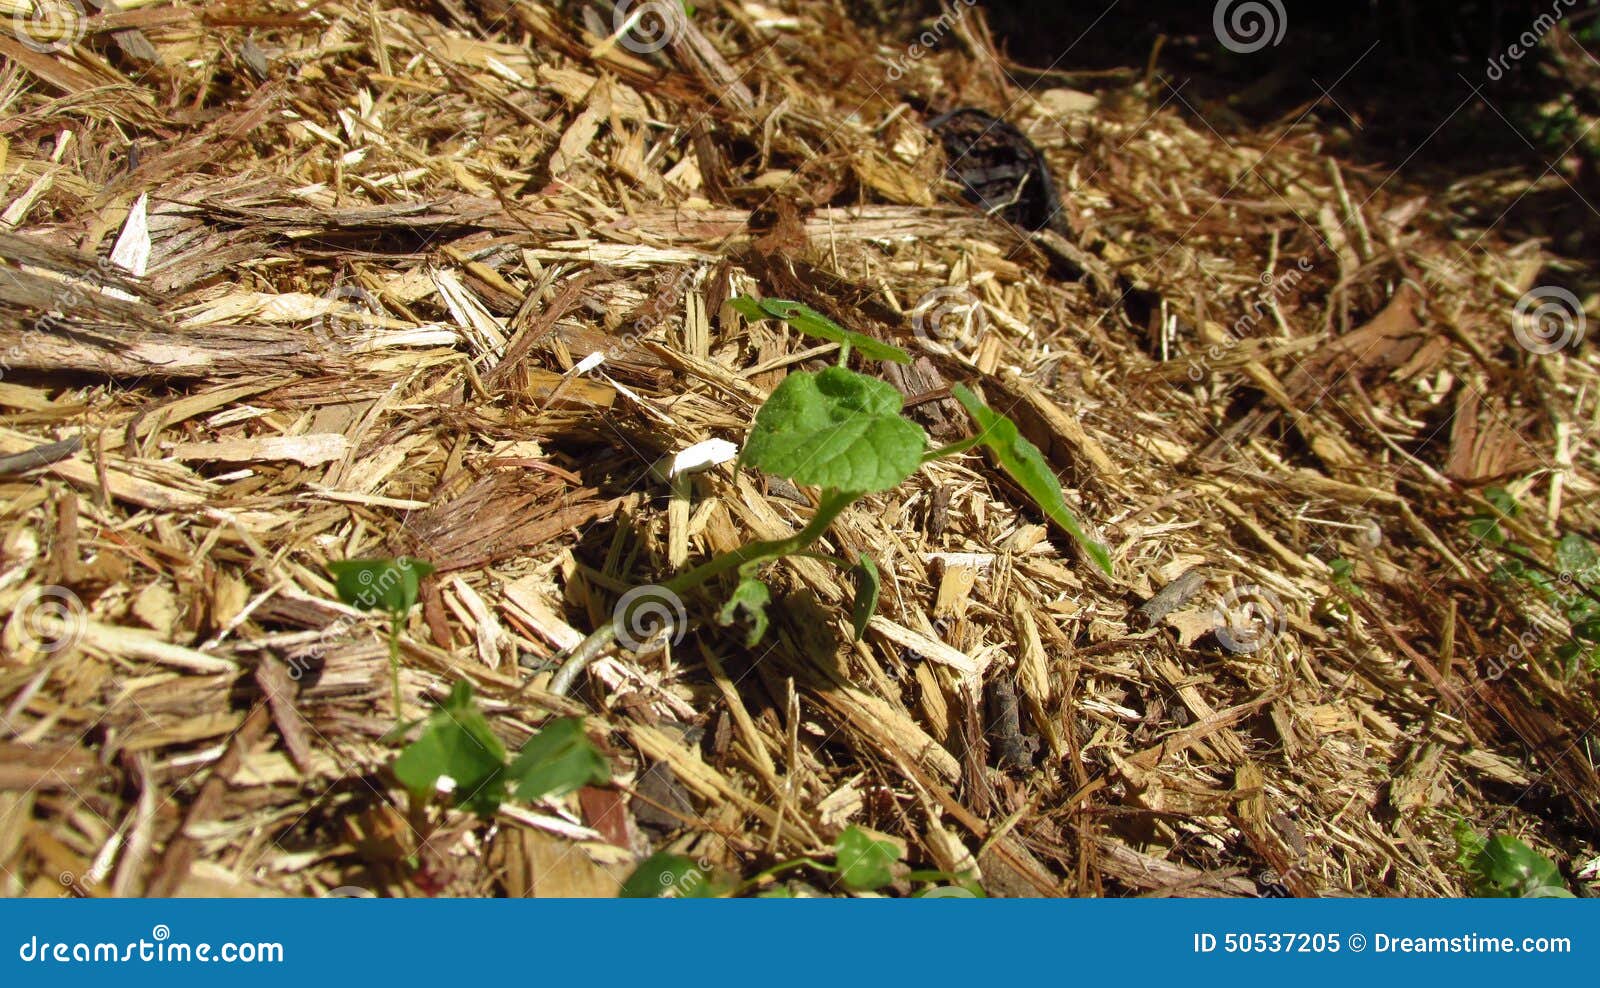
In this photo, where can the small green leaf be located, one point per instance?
(557, 760)
(748, 601)
(1469, 843)
(1508, 868)
(1027, 466)
(1568, 653)
(813, 323)
(865, 572)
(1581, 607)
(864, 861)
(662, 873)
(1502, 501)
(748, 307)
(1576, 557)
(456, 742)
(388, 585)
(1485, 529)
(835, 429)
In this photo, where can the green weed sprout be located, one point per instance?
(388, 585)
(457, 744)
(844, 433)
(1502, 867)
(862, 862)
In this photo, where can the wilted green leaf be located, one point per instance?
(1027, 466)
(835, 429)
(865, 572)
(388, 585)
(813, 323)
(456, 742)
(864, 861)
(748, 602)
(557, 760)
(663, 873)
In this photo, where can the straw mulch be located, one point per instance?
(379, 238)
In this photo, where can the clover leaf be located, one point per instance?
(557, 760)
(456, 743)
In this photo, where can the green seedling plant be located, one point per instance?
(456, 744)
(1566, 585)
(387, 585)
(1503, 867)
(842, 432)
(862, 862)
(1341, 573)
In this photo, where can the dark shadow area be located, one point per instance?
(1435, 92)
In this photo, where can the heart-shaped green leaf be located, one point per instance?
(456, 742)
(813, 323)
(557, 760)
(388, 585)
(1028, 467)
(835, 429)
(865, 572)
(664, 872)
(863, 860)
(1508, 868)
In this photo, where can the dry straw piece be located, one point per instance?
(302, 283)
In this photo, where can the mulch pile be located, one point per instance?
(291, 283)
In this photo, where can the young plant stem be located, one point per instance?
(394, 663)
(750, 556)
(961, 446)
